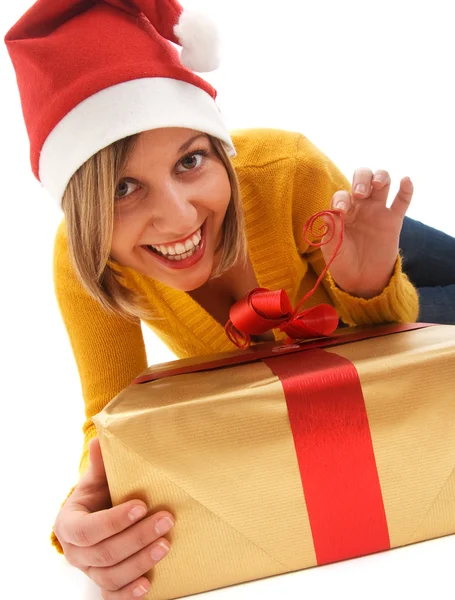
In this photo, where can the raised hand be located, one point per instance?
(366, 259)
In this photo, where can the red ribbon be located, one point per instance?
(335, 454)
(262, 309)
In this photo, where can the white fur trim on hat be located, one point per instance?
(200, 43)
(118, 112)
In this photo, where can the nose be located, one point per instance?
(174, 211)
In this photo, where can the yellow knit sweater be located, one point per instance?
(284, 179)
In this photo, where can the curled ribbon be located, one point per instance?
(262, 309)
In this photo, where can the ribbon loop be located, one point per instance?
(262, 310)
(319, 321)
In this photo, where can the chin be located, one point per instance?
(187, 282)
(190, 286)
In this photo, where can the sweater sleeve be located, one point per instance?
(316, 179)
(109, 350)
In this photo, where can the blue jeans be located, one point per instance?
(429, 262)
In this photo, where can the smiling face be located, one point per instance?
(169, 208)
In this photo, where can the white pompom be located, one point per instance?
(199, 39)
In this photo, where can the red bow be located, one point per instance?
(262, 309)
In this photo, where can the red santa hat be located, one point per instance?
(91, 72)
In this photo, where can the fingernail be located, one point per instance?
(137, 513)
(164, 525)
(381, 180)
(360, 188)
(342, 206)
(139, 591)
(159, 551)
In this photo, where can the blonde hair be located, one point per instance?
(88, 205)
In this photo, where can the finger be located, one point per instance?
(92, 493)
(84, 529)
(137, 589)
(361, 183)
(116, 549)
(95, 476)
(403, 199)
(341, 200)
(380, 179)
(380, 186)
(96, 468)
(117, 577)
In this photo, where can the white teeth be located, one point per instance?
(181, 256)
(180, 250)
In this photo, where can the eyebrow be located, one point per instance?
(188, 143)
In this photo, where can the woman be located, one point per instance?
(162, 223)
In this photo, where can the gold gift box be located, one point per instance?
(352, 453)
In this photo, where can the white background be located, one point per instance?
(371, 84)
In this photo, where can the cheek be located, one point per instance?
(218, 193)
(121, 240)
(116, 247)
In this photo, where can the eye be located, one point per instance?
(125, 188)
(192, 161)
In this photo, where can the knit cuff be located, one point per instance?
(398, 302)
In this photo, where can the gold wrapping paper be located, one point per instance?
(216, 449)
